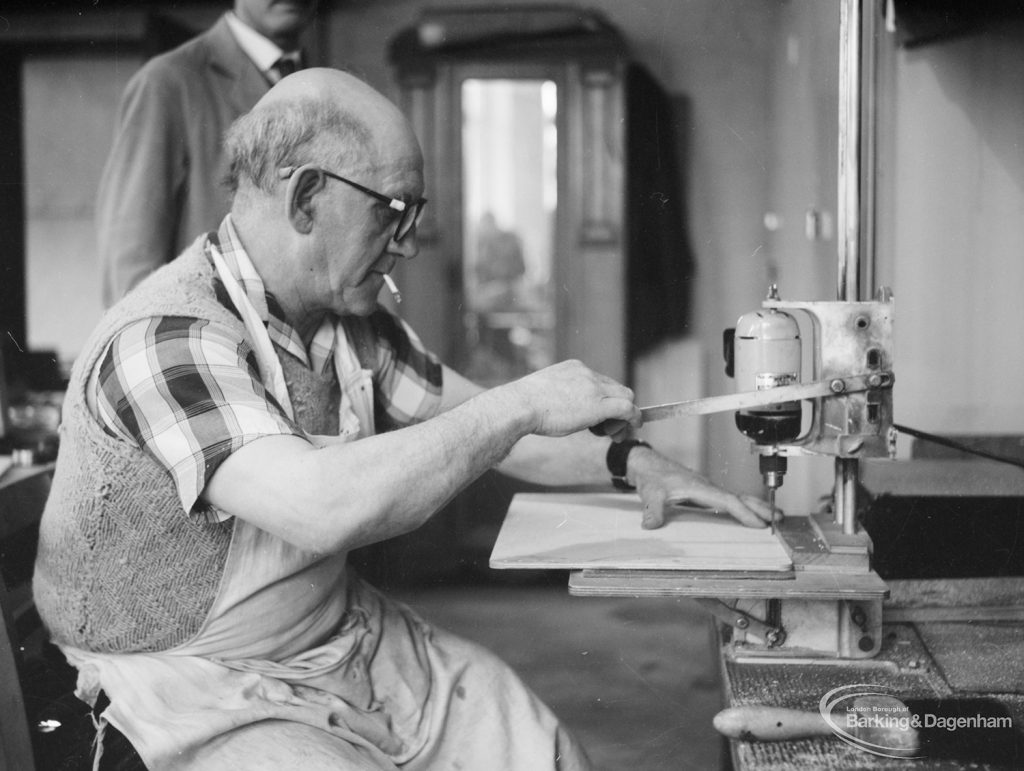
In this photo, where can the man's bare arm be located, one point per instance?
(341, 495)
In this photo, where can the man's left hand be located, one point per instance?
(662, 483)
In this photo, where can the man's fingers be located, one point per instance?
(747, 509)
(747, 516)
(750, 511)
(613, 427)
(567, 397)
(761, 507)
(662, 482)
(654, 509)
(622, 430)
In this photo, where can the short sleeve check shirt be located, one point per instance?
(188, 391)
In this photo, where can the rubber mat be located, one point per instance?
(977, 657)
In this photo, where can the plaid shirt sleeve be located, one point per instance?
(408, 377)
(188, 393)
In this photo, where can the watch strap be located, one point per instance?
(618, 454)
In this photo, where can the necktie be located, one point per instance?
(283, 67)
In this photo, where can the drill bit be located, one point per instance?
(773, 467)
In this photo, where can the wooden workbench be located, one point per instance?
(951, 647)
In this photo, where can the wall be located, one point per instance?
(72, 84)
(69, 108)
(952, 231)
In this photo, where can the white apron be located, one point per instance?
(300, 664)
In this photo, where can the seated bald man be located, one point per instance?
(247, 416)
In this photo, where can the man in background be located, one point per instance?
(162, 184)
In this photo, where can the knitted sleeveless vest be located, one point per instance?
(121, 568)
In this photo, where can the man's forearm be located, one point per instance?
(332, 496)
(577, 459)
(341, 495)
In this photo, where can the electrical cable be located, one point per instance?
(957, 445)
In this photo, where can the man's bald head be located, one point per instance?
(320, 116)
(342, 88)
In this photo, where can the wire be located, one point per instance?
(957, 445)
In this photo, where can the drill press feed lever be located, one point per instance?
(777, 395)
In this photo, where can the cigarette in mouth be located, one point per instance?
(392, 287)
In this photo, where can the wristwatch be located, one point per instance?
(618, 454)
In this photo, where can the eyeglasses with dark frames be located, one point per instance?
(409, 212)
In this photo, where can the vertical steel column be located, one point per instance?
(849, 200)
(870, 26)
(848, 215)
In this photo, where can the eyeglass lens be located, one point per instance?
(409, 219)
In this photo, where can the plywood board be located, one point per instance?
(602, 530)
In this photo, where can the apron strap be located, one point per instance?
(270, 364)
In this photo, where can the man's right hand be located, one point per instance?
(568, 397)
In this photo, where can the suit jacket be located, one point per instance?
(163, 182)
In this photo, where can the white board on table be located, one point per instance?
(602, 530)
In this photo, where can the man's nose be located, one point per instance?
(408, 247)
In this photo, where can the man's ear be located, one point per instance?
(303, 185)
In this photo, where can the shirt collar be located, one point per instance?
(263, 52)
(282, 334)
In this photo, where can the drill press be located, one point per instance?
(848, 346)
